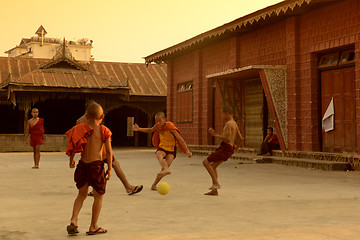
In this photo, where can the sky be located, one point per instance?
(121, 30)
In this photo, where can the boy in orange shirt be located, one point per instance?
(89, 138)
(165, 138)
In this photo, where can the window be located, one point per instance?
(329, 60)
(337, 59)
(184, 102)
(347, 57)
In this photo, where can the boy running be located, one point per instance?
(226, 149)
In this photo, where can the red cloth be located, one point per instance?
(274, 139)
(92, 173)
(78, 134)
(37, 133)
(222, 153)
(167, 127)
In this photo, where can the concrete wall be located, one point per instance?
(17, 143)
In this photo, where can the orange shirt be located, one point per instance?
(167, 141)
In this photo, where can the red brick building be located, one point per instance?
(279, 66)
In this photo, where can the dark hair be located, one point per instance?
(271, 129)
(227, 109)
(160, 114)
(94, 110)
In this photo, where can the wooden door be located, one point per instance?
(253, 113)
(340, 85)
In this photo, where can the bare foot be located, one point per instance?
(215, 186)
(213, 192)
(154, 188)
(35, 167)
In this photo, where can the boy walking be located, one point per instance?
(89, 138)
(35, 127)
(166, 137)
(226, 149)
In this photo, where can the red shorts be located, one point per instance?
(92, 173)
(222, 153)
(167, 152)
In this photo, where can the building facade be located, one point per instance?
(293, 66)
(41, 46)
(60, 86)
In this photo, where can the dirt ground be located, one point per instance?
(256, 201)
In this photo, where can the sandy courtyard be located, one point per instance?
(256, 201)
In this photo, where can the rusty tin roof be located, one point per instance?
(31, 72)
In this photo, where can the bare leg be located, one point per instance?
(36, 151)
(211, 168)
(165, 164)
(79, 200)
(96, 212)
(119, 172)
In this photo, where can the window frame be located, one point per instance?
(184, 110)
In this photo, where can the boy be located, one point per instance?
(165, 138)
(130, 189)
(226, 149)
(89, 139)
(35, 127)
(270, 143)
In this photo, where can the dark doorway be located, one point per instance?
(116, 121)
(59, 115)
(12, 120)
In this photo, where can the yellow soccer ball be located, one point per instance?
(163, 188)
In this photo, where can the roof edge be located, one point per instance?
(241, 23)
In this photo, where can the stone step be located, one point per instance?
(288, 161)
(312, 163)
(336, 157)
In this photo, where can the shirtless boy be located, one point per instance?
(226, 149)
(89, 139)
(35, 127)
(165, 138)
(130, 189)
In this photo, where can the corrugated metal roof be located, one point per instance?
(243, 24)
(140, 79)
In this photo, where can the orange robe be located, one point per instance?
(37, 133)
(92, 173)
(167, 127)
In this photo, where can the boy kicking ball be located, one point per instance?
(226, 149)
(166, 137)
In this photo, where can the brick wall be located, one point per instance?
(294, 42)
(17, 143)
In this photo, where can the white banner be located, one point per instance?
(329, 117)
